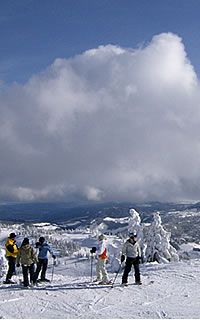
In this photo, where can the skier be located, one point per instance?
(44, 248)
(101, 253)
(11, 254)
(27, 257)
(132, 251)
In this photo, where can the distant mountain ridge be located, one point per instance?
(181, 219)
(61, 211)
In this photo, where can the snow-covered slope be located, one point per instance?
(174, 293)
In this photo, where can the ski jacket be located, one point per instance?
(131, 250)
(11, 248)
(26, 255)
(43, 251)
(102, 250)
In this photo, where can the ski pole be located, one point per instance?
(18, 275)
(91, 273)
(120, 267)
(54, 263)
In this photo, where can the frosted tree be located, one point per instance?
(114, 254)
(134, 226)
(134, 222)
(158, 243)
(96, 229)
(3, 263)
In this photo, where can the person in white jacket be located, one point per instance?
(131, 250)
(102, 256)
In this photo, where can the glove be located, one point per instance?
(18, 265)
(93, 250)
(122, 258)
(140, 260)
(53, 256)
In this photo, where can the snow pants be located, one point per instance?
(41, 265)
(11, 267)
(128, 266)
(101, 270)
(25, 271)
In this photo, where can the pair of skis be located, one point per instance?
(94, 285)
(112, 282)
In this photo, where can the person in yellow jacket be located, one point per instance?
(11, 255)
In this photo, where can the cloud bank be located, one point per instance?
(109, 124)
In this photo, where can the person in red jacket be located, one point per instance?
(101, 253)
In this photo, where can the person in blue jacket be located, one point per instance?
(42, 264)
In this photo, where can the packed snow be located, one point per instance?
(168, 291)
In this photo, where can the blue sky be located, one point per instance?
(34, 33)
(99, 100)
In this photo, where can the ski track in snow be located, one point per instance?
(174, 293)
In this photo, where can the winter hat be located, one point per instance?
(41, 239)
(12, 235)
(25, 241)
(132, 235)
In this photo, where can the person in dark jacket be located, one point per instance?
(42, 264)
(131, 250)
(27, 257)
(11, 254)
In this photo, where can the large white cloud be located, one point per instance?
(110, 124)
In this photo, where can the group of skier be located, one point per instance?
(26, 257)
(130, 251)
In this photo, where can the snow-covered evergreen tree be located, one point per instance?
(134, 226)
(3, 263)
(96, 229)
(114, 254)
(158, 243)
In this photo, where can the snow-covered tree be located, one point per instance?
(134, 226)
(3, 263)
(114, 253)
(158, 243)
(96, 229)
